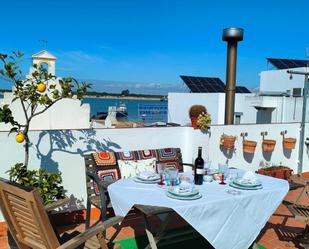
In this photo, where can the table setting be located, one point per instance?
(229, 202)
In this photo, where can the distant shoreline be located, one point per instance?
(122, 97)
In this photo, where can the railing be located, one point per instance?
(152, 113)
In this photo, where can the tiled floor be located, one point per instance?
(279, 230)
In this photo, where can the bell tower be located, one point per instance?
(46, 60)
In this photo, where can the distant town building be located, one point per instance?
(278, 100)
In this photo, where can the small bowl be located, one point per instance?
(208, 178)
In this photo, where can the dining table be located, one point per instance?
(226, 218)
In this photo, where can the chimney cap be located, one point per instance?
(233, 34)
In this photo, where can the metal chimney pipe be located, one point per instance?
(232, 36)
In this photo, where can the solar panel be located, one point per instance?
(287, 63)
(208, 85)
(242, 89)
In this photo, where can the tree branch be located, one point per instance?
(46, 108)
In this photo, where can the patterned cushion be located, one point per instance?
(170, 157)
(132, 168)
(105, 158)
(127, 155)
(107, 166)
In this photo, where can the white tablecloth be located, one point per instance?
(226, 221)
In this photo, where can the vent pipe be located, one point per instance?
(232, 36)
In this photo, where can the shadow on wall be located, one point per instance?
(64, 140)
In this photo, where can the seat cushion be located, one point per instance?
(130, 168)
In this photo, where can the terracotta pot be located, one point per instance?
(194, 122)
(268, 145)
(228, 142)
(281, 172)
(249, 146)
(289, 143)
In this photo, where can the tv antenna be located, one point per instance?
(44, 43)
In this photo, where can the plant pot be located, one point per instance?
(228, 142)
(281, 172)
(249, 146)
(289, 143)
(194, 122)
(268, 145)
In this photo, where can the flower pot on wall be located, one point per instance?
(194, 122)
(289, 143)
(228, 142)
(281, 172)
(249, 146)
(268, 145)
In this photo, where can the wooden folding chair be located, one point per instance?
(299, 211)
(29, 224)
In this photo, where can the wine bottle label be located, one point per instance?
(200, 171)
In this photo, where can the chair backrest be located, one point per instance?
(90, 166)
(26, 217)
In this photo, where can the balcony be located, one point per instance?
(63, 150)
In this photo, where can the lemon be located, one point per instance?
(41, 87)
(20, 137)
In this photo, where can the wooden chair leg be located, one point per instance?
(88, 214)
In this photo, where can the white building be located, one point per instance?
(279, 98)
(65, 114)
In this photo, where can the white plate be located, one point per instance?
(136, 179)
(194, 192)
(245, 188)
(239, 182)
(184, 198)
(155, 178)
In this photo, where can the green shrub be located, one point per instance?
(48, 184)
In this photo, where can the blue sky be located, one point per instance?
(148, 43)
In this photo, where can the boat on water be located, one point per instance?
(121, 113)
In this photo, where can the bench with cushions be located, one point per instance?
(102, 169)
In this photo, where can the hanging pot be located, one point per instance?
(249, 146)
(268, 145)
(289, 143)
(228, 142)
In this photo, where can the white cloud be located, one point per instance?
(79, 56)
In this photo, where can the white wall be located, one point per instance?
(180, 103)
(65, 114)
(63, 149)
(285, 109)
(279, 80)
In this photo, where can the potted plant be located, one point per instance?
(249, 146)
(194, 112)
(227, 142)
(289, 143)
(36, 95)
(268, 145)
(203, 121)
(282, 172)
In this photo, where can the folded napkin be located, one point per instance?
(249, 177)
(148, 175)
(184, 187)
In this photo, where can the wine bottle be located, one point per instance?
(199, 168)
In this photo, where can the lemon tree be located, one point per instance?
(36, 94)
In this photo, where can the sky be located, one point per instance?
(144, 45)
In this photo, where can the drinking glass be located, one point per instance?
(233, 174)
(173, 175)
(207, 164)
(161, 169)
(224, 169)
